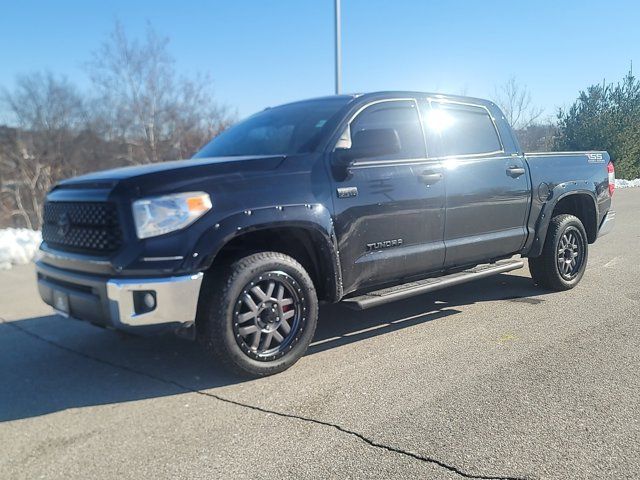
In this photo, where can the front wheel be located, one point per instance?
(564, 256)
(258, 315)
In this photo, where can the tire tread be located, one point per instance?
(213, 314)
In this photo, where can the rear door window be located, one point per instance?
(461, 130)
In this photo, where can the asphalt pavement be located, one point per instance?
(493, 379)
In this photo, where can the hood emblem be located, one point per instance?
(64, 224)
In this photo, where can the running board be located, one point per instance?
(406, 290)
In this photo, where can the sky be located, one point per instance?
(263, 53)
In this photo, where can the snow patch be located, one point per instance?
(18, 246)
(621, 183)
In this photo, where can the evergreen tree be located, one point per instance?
(605, 117)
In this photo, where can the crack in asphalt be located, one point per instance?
(185, 388)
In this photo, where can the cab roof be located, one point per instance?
(348, 98)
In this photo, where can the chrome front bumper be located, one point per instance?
(607, 224)
(176, 300)
(119, 302)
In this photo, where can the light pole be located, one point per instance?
(338, 49)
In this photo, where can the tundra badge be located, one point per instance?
(346, 192)
(385, 244)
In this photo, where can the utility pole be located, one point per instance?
(338, 49)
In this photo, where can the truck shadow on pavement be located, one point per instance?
(49, 364)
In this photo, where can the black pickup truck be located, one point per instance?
(364, 199)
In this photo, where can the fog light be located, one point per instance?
(144, 301)
(149, 301)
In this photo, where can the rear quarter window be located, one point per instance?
(461, 130)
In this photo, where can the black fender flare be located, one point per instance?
(314, 218)
(560, 191)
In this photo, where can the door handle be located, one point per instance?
(515, 171)
(430, 178)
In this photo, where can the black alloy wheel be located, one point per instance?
(268, 315)
(570, 253)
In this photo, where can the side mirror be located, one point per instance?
(376, 142)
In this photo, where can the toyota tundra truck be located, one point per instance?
(364, 199)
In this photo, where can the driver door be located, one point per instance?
(389, 207)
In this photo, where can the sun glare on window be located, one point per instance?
(438, 120)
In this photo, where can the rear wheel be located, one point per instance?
(258, 315)
(564, 256)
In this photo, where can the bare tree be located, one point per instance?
(22, 192)
(154, 114)
(49, 112)
(514, 99)
(139, 112)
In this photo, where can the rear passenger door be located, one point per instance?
(487, 190)
(389, 209)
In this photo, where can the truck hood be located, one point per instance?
(202, 167)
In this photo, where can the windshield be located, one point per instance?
(284, 130)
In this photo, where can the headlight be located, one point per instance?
(159, 215)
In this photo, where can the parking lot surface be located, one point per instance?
(493, 379)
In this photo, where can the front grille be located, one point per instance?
(90, 227)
